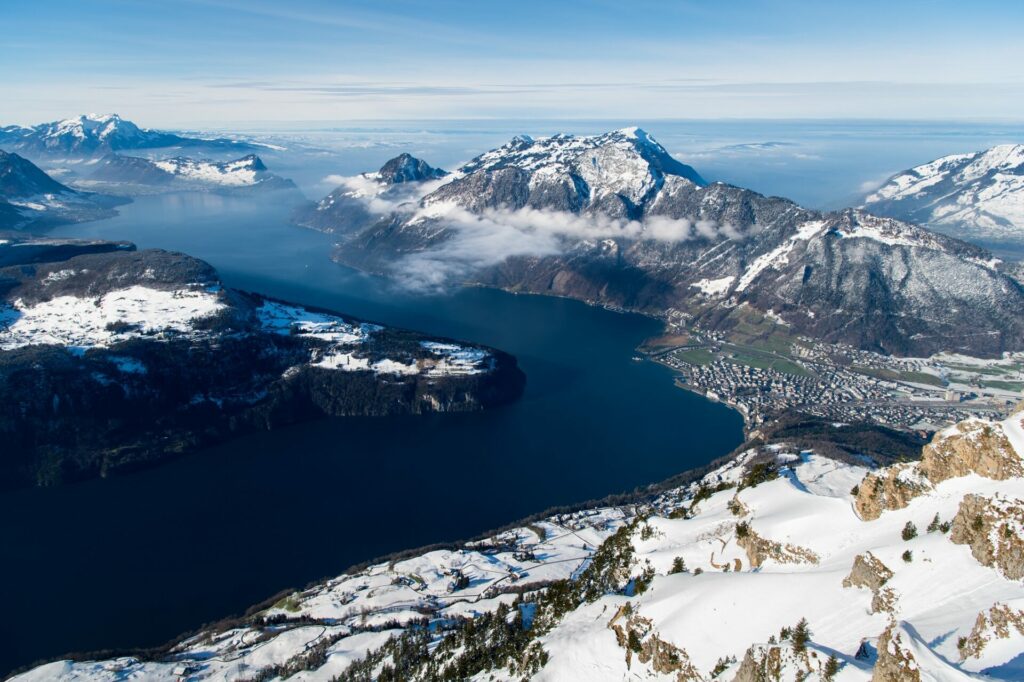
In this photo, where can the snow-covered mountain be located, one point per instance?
(614, 219)
(92, 134)
(29, 198)
(117, 173)
(111, 358)
(779, 565)
(973, 196)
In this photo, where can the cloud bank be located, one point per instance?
(480, 240)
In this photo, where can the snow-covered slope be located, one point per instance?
(92, 134)
(978, 195)
(779, 565)
(118, 173)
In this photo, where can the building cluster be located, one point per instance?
(831, 391)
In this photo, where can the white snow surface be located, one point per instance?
(238, 173)
(90, 322)
(344, 338)
(983, 191)
(708, 614)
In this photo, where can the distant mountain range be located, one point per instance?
(91, 135)
(973, 196)
(111, 358)
(614, 219)
(120, 174)
(31, 199)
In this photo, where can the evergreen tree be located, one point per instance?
(801, 635)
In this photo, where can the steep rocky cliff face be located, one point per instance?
(972, 447)
(993, 527)
(614, 219)
(111, 358)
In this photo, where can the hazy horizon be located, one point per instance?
(213, 62)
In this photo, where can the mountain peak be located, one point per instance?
(407, 168)
(580, 155)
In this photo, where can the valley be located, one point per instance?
(764, 371)
(822, 410)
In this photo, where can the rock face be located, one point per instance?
(112, 358)
(994, 529)
(973, 446)
(896, 662)
(999, 622)
(777, 663)
(94, 135)
(978, 195)
(637, 637)
(29, 198)
(870, 573)
(761, 549)
(407, 168)
(614, 219)
(867, 572)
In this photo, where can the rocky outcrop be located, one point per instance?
(999, 622)
(782, 663)
(887, 489)
(761, 549)
(636, 635)
(896, 662)
(969, 447)
(993, 527)
(870, 573)
(407, 168)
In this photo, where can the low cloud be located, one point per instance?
(869, 186)
(380, 198)
(485, 239)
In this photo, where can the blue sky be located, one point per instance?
(209, 62)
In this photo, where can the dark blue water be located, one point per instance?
(136, 559)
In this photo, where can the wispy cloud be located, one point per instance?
(475, 241)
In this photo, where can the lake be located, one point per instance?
(137, 559)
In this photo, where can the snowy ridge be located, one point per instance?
(628, 163)
(981, 193)
(89, 135)
(246, 171)
(764, 565)
(342, 339)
